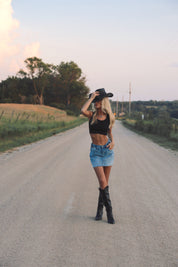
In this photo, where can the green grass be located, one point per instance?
(14, 134)
(171, 142)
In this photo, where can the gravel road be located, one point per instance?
(48, 200)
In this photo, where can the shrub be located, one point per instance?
(162, 127)
(148, 127)
(139, 125)
(58, 105)
(70, 112)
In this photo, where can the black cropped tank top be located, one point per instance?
(99, 126)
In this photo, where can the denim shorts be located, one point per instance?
(101, 155)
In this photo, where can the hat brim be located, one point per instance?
(100, 97)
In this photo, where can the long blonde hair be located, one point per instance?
(106, 108)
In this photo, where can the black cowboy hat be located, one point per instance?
(102, 94)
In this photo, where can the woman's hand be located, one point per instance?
(84, 109)
(94, 95)
(110, 145)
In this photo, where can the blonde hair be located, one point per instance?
(106, 108)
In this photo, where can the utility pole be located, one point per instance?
(129, 99)
(117, 106)
(122, 104)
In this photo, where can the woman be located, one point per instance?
(101, 151)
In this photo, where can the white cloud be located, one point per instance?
(7, 27)
(12, 55)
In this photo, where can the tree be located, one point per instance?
(9, 91)
(72, 82)
(61, 85)
(39, 72)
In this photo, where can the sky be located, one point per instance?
(114, 42)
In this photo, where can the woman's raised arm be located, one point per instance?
(84, 110)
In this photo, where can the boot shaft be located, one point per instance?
(105, 196)
(107, 204)
(99, 212)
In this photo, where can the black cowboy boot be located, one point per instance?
(107, 204)
(99, 212)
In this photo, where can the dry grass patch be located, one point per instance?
(32, 112)
(22, 123)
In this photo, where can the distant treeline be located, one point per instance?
(153, 117)
(61, 86)
(150, 109)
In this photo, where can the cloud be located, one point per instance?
(12, 55)
(7, 27)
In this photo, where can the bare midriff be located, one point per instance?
(99, 139)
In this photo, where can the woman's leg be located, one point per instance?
(107, 170)
(104, 190)
(107, 203)
(106, 196)
(101, 177)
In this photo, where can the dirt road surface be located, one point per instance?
(48, 199)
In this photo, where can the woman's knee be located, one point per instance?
(101, 176)
(103, 183)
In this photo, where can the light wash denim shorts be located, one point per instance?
(101, 155)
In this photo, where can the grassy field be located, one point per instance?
(14, 112)
(171, 142)
(24, 123)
